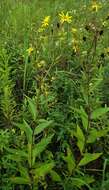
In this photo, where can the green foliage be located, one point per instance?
(7, 100)
(54, 104)
(99, 112)
(81, 139)
(30, 170)
(89, 158)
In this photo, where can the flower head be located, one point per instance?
(41, 64)
(65, 17)
(45, 22)
(30, 50)
(104, 23)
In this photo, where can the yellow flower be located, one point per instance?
(30, 50)
(65, 17)
(41, 64)
(95, 7)
(104, 23)
(53, 78)
(45, 22)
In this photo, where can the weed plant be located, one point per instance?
(54, 99)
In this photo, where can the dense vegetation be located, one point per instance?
(54, 95)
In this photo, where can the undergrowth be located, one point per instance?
(54, 104)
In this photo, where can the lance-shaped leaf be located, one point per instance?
(82, 181)
(23, 171)
(42, 125)
(20, 180)
(80, 139)
(27, 129)
(88, 157)
(84, 118)
(16, 154)
(69, 159)
(55, 176)
(33, 108)
(40, 147)
(28, 132)
(96, 114)
(94, 134)
(42, 170)
(83, 115)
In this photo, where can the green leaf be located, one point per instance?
(24, 172)
(84, 118)
(94, 134)
(16, 158)
(20, 180)
(40, 147)
(28, 132)
(55, 176)
(79, 182)
(17, 153)
(32, 108)
(88, 157)
(96, 114)
(44, 124)
(44, 169)
(27, 129)
(88, 179)
(80, 139)
(83, 115)
(69, 159)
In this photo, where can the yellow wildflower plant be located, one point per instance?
(95, 6)
(46, 22)
(65, 17)
(41, 64)
(30, 50)
(104, 23)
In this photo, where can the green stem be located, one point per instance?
(25, 72)
(26, 61)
